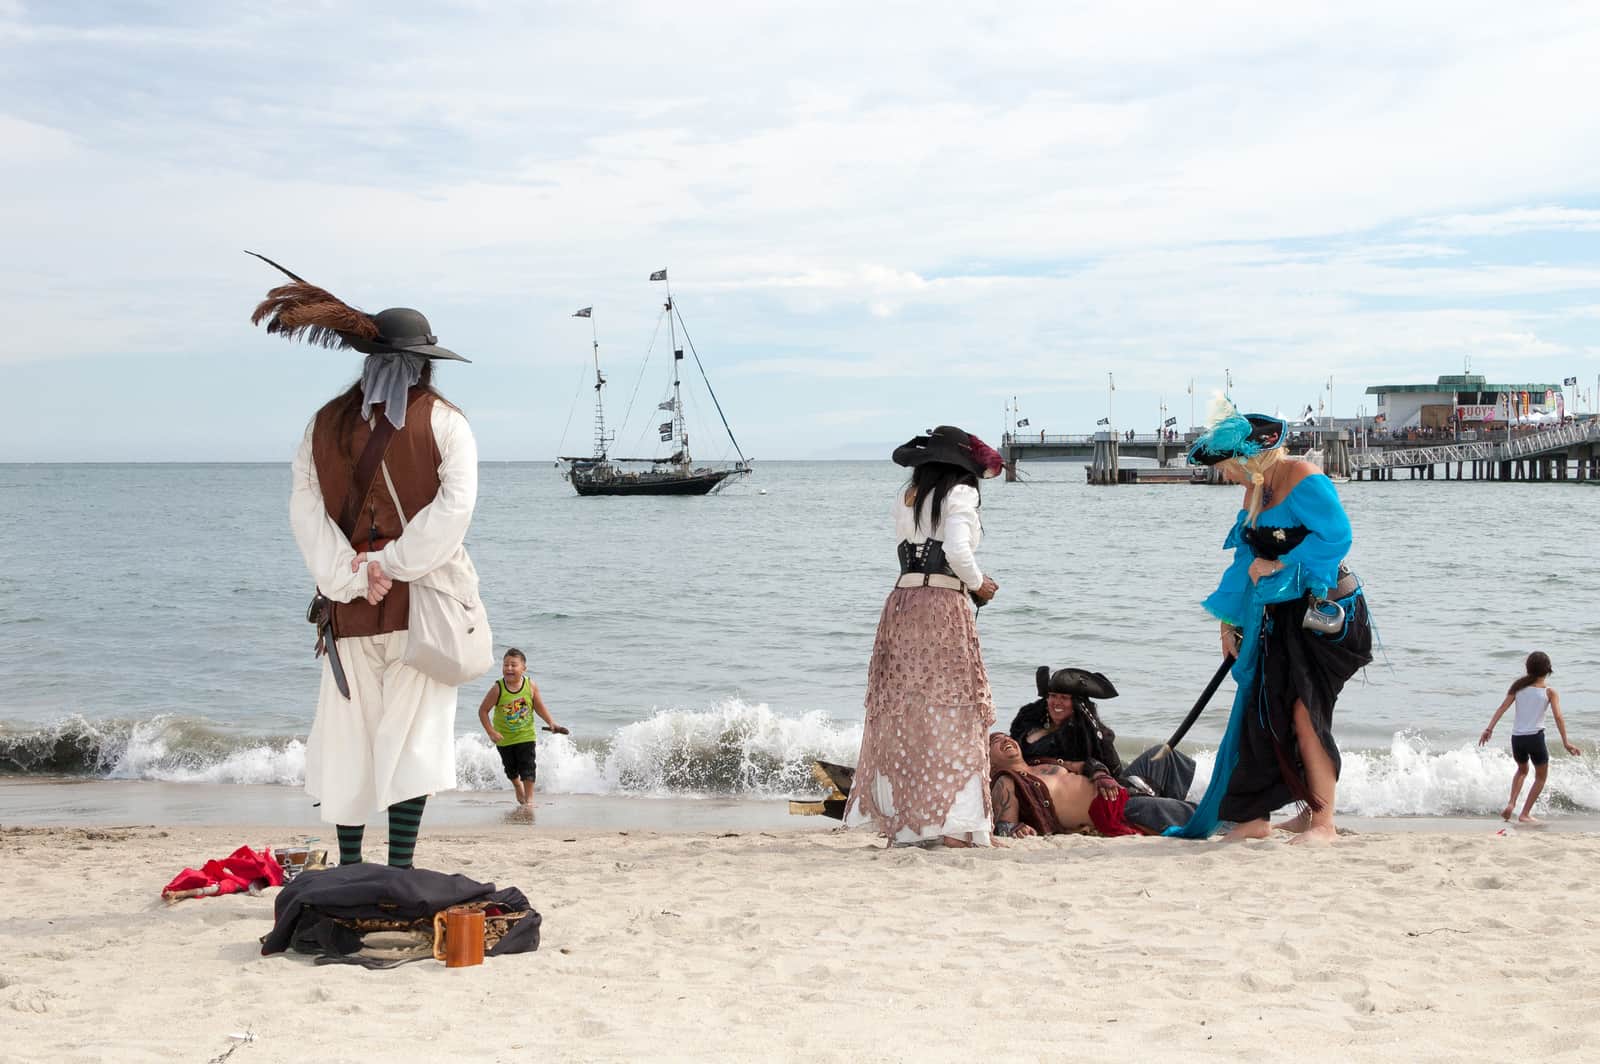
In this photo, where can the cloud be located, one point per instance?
(991, 203)
(29, 144)
(1512, 222)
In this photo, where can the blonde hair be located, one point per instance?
(1257, 466)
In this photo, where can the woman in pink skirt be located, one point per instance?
(922, 777)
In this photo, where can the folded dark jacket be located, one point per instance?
(308, 912)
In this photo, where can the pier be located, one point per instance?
(1568, 452)
(1103, 452)
(1564, 452)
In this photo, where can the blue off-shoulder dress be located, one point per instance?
(1258, 767)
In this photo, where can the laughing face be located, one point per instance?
(1059, 706)
(1004, 753)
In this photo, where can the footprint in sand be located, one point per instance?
(34, 999)
(1253, 982)
(1361, 1001)
(50, 955)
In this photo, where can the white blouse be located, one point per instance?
(959, 528)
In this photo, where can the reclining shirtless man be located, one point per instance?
(1056, 797)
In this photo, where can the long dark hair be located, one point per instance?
(1537, 668)
(936, 479)
(337, 420)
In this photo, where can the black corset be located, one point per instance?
(924, 557)
(1272, 543)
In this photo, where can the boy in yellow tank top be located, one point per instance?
(513, 701)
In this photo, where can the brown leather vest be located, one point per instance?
(413, 460)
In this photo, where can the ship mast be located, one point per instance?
(680, 428)
(601, 439)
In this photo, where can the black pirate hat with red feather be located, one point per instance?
(302, 311)
(952, 446)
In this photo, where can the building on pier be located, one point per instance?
(1463, 401)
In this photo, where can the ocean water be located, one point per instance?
(151, 624)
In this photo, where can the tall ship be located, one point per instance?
(676, 472)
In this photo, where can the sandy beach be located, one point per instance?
(791, 945)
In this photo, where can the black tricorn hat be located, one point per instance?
(1070, 681)
(301, 310)
(951, 446)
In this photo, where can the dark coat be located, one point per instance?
(307, 911)
(1084, 737)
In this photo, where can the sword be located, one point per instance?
(1194, 714)
(320, 614)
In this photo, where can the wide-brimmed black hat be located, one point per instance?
(302, 311)
(1080, 682)
(951, 446)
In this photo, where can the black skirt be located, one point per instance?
(1295, 663)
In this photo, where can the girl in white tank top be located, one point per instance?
(1531, 702)
(1532, 695)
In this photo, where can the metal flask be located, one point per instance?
(1324, 616)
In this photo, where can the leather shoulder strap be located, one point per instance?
(366, 469)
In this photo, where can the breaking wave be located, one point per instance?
(1414, 778)
(734, 749)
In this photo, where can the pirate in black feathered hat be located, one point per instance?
(375, 461)
(922, 773)
(1064, 723)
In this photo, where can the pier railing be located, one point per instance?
(1420, 456)
(1554, 439)
(1040, 439)
(1022, 440)
(1534, 443)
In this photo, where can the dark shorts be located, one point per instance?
(518, 758)
(1527, 748)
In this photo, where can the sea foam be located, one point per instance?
(733, 749)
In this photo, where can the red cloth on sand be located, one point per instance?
(1107, 815)
(232, 873)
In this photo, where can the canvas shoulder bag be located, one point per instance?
(448, 637)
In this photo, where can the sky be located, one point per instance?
(876, 217)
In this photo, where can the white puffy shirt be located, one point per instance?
(958, 527)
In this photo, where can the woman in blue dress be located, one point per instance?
(1295, 619)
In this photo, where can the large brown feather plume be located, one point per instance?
(302, 311)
